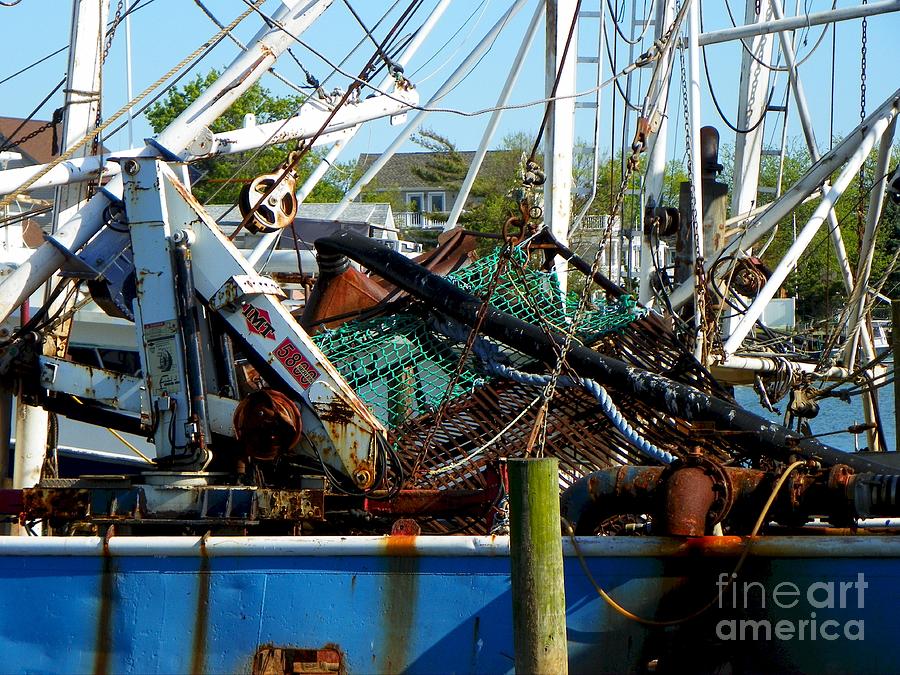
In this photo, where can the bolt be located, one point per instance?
(131, 167)
(363, 477)
(183, 237)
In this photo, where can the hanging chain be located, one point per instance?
(98, 118)
(706, 331)
(862, 69)
(860, 215)
(41, 129)
(117, 19)
(638, 146)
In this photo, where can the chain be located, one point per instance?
(117, 19)
(41, 129)
(637, 147)
(98, 118)
(705, 331)
(862, 68)
(860, 215)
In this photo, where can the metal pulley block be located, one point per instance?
(268, 202)
(267, 423)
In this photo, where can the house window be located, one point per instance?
(436, 202)
(416, 201)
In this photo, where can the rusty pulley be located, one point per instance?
(279, 203)
(267, 423)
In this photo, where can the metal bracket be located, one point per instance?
(74, 266)
(240, 285)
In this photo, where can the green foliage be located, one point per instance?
(222, 178)
(489, 204)
(817, 281)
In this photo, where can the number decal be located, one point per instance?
(296, 364)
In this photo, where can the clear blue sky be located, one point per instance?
(167, 30)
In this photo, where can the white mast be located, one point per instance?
(560, 131)
(87, 40)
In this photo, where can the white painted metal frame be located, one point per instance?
(559, 135)
(488, 135)
(814, 178)
(420, 116)
(805, 236)
(295, 16)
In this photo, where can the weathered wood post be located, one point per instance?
(895, 351)
(538, 590)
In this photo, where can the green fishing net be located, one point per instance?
(401, 366)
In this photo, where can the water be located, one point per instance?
(834, 415)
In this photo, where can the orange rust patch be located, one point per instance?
(402, 545)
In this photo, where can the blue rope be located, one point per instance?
(491, 357)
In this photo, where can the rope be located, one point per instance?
(94, 133)
(731, 578)
(490, 356)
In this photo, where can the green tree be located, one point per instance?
(221, 178)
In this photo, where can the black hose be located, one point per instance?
(758, 435)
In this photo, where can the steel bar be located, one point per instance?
(559, 136)
(488, 135)
(424, 546)
(753, 98)
(834, 231)
(656, 162)
(301, 126)
(867, 248)
(817, 174)
(267, 241)
(801, 21)
(419, 118)
(246, 69)
(790, 258)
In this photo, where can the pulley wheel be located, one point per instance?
(276, 212)
(267, 423)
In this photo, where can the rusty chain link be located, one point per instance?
(706, 332)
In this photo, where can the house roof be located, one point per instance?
(39, 150)
(398, 172)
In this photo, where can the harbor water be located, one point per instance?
(834, 415)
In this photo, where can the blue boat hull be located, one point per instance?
(434, 604)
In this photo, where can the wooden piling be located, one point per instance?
(538, 589)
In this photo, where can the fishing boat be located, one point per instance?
(353, 484)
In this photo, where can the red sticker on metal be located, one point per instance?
(258, 321)
(296, 363)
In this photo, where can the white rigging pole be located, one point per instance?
(82, 102)
(656, 162)
(292, 18)
(560, 132)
